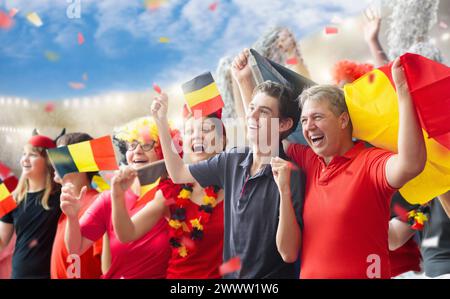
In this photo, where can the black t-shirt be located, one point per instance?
(35, 229)
(436, 241)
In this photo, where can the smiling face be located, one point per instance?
(139, 154)
(34, 165)
(324, 131)
(203, 138)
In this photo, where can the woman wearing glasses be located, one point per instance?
(139, 140)
(194, 214)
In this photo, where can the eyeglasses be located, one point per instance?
(145, 147)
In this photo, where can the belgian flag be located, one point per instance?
(7, 202)
(93, 155)
(373, 106)
(202, 94)
(149, 177)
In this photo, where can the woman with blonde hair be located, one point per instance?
(35, 218)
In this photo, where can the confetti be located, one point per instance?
(34, 19)
(85, 77)
(213, 6)
(49, 107)
(154, 4)
(292, 61)
(232, 265)
(443, 25)
(51, 56)
(33, 243)
(76, 85)
(80, 38)
(5, 21)
(331, 30)
(164, 40)
(401, 212)
(156, 88)
(13, 12)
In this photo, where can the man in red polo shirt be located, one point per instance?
(349, 187)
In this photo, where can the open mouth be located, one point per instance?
(317, 139)
(198, 148)
(140, 161)
(26, 167)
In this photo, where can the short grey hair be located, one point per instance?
(329, 93)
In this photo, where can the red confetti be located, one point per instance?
(49, 107)
(80, 38)
(13, 12)
(371, 78)
(232, 265)
(213, 6)
(33, 243)
(443, 25)
(157, 88)
(401, 212)
(5, 20)
(76, 85)
(292, 61)
(331, 30)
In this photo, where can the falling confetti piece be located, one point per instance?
(5, 20)
(13, 12)
(443, 25)
(34, 19)
(157, 88)
(164, 40)
(85, 77)
(33, 243)
(49, 107)
(80, 38)
(51, 56)
(292, 61)
(154, 4)
(213, 6)
(232, 265)
(76, 85)
(401, 212)
(331, 30)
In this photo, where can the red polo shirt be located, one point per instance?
(346, 213)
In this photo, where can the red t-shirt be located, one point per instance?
(405, 258)
(146, 257)
(204, 259)
(90, 261)
(346, 213)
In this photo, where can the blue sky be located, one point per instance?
(121, 51)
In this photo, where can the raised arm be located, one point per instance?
(178, 171)
(445, 202)
(130, 229)
(242, 73)
(288, 238)
(70, 205)
(371, 31)
(412, 155)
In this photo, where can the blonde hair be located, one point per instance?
(50, 187)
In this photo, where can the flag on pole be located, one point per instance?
(93, 155)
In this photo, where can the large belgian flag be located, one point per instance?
(373, 106)
(202, 94)
(93, 155)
